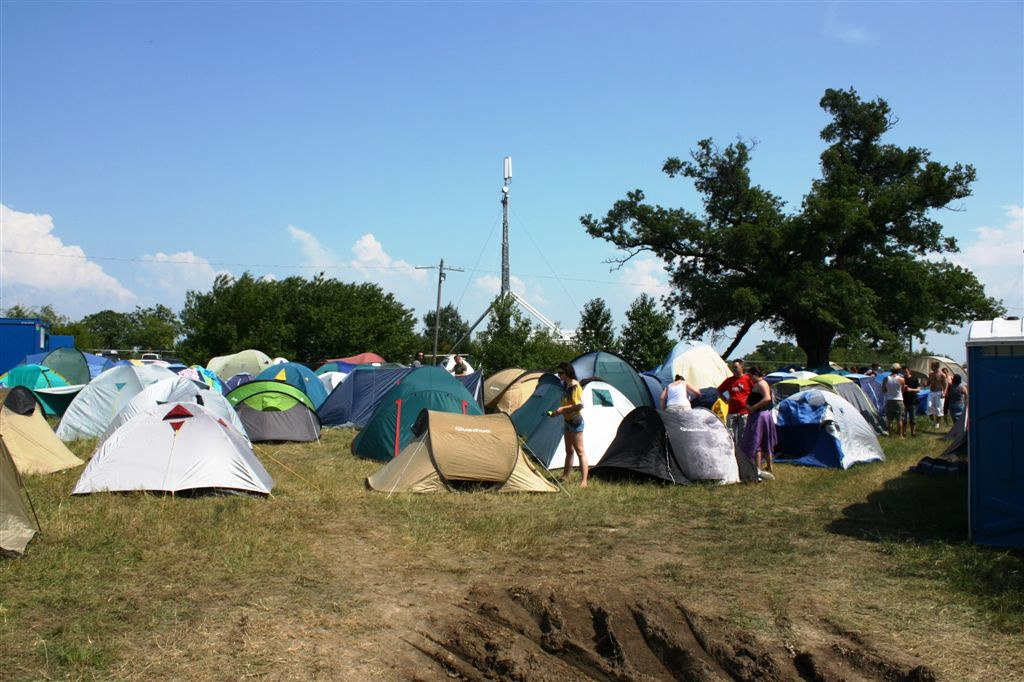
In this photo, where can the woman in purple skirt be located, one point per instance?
(759, 437)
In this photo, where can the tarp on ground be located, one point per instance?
(453, 451)
(390, 429)
(16, 527)
(616, 371)
(299, 376)
(174, 448)
(31, 442)
(698, 363)
(820, 428)
(248, 361)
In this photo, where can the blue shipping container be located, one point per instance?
(20, 336)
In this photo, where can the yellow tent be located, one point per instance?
(33, 446)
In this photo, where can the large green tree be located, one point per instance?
(861, 259)
(596, 330)
(452, 329)
(510, 340)
(303, 320)
(644, 339)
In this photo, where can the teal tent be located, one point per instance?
(612, 369)
(390, 428)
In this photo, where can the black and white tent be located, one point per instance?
(674, 447)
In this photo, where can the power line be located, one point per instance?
(327, 266)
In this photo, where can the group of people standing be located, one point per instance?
(749, 418)
(947, 398)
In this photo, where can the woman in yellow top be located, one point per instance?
(572, 414)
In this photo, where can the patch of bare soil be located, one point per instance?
(522, 633)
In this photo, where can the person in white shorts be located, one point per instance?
(937, 385)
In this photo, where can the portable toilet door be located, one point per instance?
(995, 412)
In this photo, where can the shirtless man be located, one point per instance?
(937, 385)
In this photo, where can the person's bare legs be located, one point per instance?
(567, 438)
(584, 467)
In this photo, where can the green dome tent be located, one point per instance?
(390, 428)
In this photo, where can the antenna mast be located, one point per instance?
(505, 288)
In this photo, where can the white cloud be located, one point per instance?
(167, 276)
(38, 269)
(839, 28)
(317, 256)
(644, 275)
(372, 263)
(996, 257)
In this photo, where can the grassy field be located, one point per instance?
(323, 580)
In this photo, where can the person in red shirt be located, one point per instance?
(735, 390)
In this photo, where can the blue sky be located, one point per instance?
(145, 147)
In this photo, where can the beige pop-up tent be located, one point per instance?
(32, 444)
(455, 451)
(16, 527)
(507, 390)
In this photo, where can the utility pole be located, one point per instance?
(437, 311)
(505, 288)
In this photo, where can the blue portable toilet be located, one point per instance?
(995, 432)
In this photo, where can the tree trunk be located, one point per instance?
(739, 337)
(816, 341)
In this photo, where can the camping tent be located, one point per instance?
(787, 387)
(614, 370)
(32, 377)
(353, 360)
(675, 447)
(699, 363)
(855, 395)
(872, 389)
(299, 376)
(390, 428)
(248, 361)
(175, 447)
(29, 439)
(98, 403)
(604, 407)
(507, 390)
(921, 366)
(331, 380)
(354, 401)
(819, 428)
(451, 451)
(275, 411)
(540, 433)
(16, 529)
(176, 390)
(70, 363)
